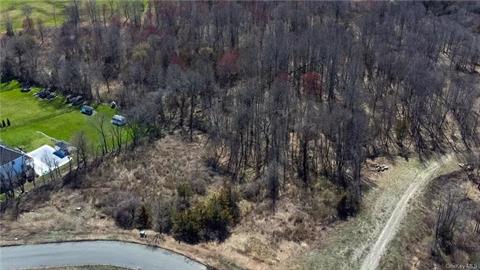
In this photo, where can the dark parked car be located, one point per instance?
(43, 94)
(25, 89)
(86, 110)
(68, 99)
(78, 100)
(50, 96)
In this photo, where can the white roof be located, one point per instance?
(44, 160)
(118, 117)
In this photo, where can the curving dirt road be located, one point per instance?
(361, 242)
(372, 260)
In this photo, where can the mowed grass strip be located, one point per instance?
(31, 118)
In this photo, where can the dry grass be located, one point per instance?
(411, 249)
(303, 219)
(263, 239)
(346, 243)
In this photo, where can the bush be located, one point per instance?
(162, 215)
(251, 191)
(184, 192)
(347, 207)
(127, 210)
(207, 220)
(125, 215)
(124, 218)
(112, 201)
(198, 186)
(186, 226)
(143, 219)
(216, 216)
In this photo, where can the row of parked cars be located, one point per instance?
(76, 100)
(117, 120)
(46, 93)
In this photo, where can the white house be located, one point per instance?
(12, 163)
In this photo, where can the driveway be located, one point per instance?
(121, 254)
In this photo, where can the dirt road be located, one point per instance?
(372, 260)
(360, 242)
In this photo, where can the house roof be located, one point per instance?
(7, 154)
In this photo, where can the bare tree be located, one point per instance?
(100, 121)
(447, 221)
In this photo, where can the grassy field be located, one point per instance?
(49, 11)
(34, 121)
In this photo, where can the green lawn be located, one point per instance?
(34, 120)
(49, 11)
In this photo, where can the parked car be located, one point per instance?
(25, 89)
(50, 96)
(119, 120)
(68, 99)
(86, 110)
(78, 100)
(43, 94)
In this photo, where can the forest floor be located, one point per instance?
(348, 244)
